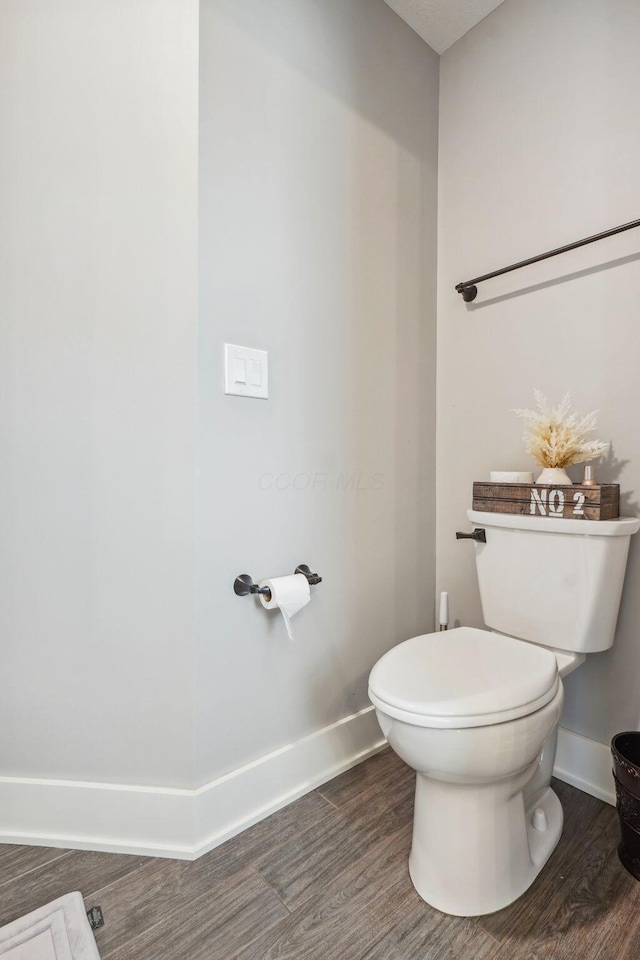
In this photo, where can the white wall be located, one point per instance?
(98, 304)
(318, 151)
(539, 147)
(131, 674)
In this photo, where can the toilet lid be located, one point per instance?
(462, 678)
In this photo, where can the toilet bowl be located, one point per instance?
(475, 712)
(471, 711)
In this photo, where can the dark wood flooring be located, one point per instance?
(326, 879)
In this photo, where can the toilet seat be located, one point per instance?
(463, 677)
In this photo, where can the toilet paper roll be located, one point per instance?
(510, 476)
(288, 595)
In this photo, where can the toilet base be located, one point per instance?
(475, 849)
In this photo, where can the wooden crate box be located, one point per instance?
(575, 502)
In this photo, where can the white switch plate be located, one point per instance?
(246, 372)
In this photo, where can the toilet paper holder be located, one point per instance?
(243, 585)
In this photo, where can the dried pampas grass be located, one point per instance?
(555, 437)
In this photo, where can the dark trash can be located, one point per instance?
(625, 750)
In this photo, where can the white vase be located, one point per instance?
(554, 477)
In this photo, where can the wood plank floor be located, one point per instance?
(326, 879)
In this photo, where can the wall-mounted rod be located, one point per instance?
(469, 290)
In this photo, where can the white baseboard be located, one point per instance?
(182, 824)
(585, 764)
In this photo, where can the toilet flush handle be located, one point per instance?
(479, 535)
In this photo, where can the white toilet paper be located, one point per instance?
(288, 595)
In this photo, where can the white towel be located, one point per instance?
(58, 931)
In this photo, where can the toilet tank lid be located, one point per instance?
(622, 527)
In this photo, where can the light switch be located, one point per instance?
(246, 372)
(255, 373)
(239, 370)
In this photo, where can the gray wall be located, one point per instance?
(318, 153)
(98, 284)
(539, 146)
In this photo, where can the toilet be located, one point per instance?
(475, 711)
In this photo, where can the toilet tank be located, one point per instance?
(552, 581)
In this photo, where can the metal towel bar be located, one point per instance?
(469, 290)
